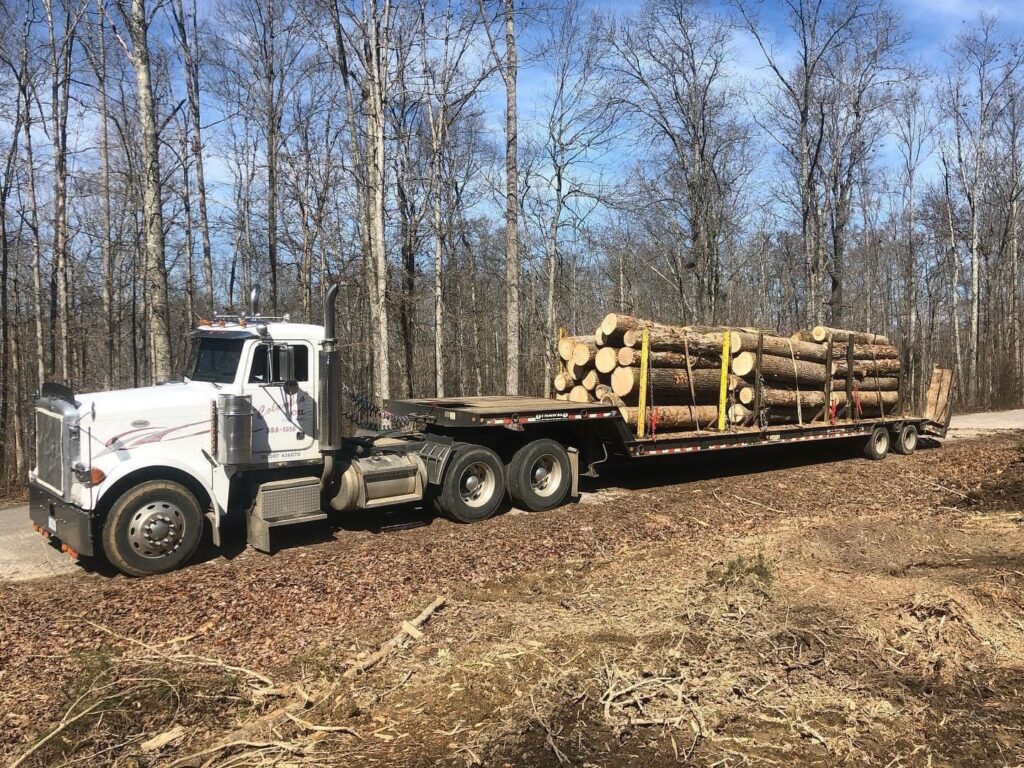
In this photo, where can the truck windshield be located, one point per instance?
(215, 359)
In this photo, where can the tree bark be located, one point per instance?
(510, 72)
(137, 24)
(670, 385)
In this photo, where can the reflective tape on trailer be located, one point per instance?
(643, 450)
(551, 416)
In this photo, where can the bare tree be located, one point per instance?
(137, 22)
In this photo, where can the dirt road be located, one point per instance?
(799, 608)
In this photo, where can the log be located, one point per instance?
(606, 359)
(779, 345)
(821, 333)
(577, 372)
(599, 338)
(564, 396)
(864, 368)
(866, 351)
(628, 356)
(590, 380)
(564, 382)
(612, 399)
(672, 338)
(872, 399)
(583, 352)
(601, 391)
(566, 345)
(778, 368)
(670, 385)
(580, 394)
(873, 383)
(783, 397)
(675, 417)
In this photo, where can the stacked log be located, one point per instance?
(809, 376)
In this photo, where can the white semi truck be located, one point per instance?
(253, 432)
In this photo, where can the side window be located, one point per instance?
(258, 373)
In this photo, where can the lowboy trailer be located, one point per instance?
(253, 434)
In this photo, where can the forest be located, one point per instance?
(477, 174)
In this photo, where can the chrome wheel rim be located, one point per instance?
(476, 484)
(156, 529)
(546, 475)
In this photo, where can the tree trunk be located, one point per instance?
(627, 356)
(670, 385)
(675, 417)
(510, 72)
(777, 368)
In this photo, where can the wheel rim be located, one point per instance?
(910, 439)
(476, 484)
(156, 529)
(546, 475)
(881, 441)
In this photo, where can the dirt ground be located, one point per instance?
(764, 608)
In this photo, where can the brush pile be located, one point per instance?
(814, 375)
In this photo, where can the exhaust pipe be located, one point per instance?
(254, 302)
(329, 404)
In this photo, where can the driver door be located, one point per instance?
(284, 412)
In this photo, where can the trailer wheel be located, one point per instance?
(539, 475)
(878, 444)
(473, 485)
(152, 528)
(906, 440)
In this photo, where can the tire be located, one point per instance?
(878, 444)
(539, 475)
(905, 441)
(154, 527)
(473, 485)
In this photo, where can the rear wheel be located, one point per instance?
(154, 527)
(905, 441)
(473, 485)
(877, 445)
(539, 475)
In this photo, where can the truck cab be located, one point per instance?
(253, 431)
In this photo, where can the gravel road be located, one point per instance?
(26, 555)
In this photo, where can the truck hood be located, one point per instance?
(127, 418)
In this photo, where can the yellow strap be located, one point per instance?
(641, 409)
(723, 391)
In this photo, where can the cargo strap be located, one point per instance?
(796, 381)
(689, 379)
(641, 409)
(723, 389)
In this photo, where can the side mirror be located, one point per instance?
(286, 365)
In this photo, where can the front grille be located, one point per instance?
(51, 449)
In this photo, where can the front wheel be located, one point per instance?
(539, 475)
(154, 527)
(473, 485)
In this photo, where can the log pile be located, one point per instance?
(813, 375)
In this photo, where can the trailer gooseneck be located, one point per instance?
(254, 433)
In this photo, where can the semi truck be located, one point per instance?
(253, 434)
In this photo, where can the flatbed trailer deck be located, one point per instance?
(598, 430)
